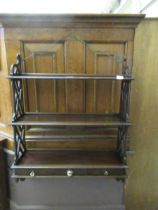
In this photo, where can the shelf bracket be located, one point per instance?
(122, 143)
(124, 100)
(18, 104)
(18, 110)
(19, 140)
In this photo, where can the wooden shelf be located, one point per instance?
(69, 76)
(65, 119)
(58, 163)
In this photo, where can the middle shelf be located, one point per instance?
(70, 119)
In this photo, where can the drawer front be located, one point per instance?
(69, 172)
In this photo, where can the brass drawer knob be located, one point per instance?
(106, 173)
(69, 173)
(32, 173)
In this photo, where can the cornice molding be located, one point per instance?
(70, 20)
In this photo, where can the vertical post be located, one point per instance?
(122, 143)
(124, 112)
(19, 140)
(18, 104)
(18, 110)
(124, 100)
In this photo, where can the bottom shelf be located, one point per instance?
(69, 163)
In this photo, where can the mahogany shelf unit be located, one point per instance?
(61, 128)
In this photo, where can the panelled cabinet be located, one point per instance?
(71, 87)
(67, 95)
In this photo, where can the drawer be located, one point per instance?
(69, 172)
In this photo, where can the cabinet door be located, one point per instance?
(44, 95)
(72, 56)
(103, 58)
(55, 96)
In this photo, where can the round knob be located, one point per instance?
(106, 173)
(32, 173)
(69, 173)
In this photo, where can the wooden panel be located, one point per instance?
(75, 96)
(142, 187)
(74, 144)
(0, 50)
(75, 64)
(72, 139)
(103, 58)
(49, 58)
(107, 35)
(45, 90)
(69, 133)
(46, 95)
(5, 91)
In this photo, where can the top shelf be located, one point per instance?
(71, 119)
(69, 76)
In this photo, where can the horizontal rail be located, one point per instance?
(69, 76)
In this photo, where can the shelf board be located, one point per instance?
(70, 158)
(70, 119)
(72, 139)
(37, 133)
(57, 163)
(73, 144)
(69, 76)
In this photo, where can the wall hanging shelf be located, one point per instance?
(110, 128)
